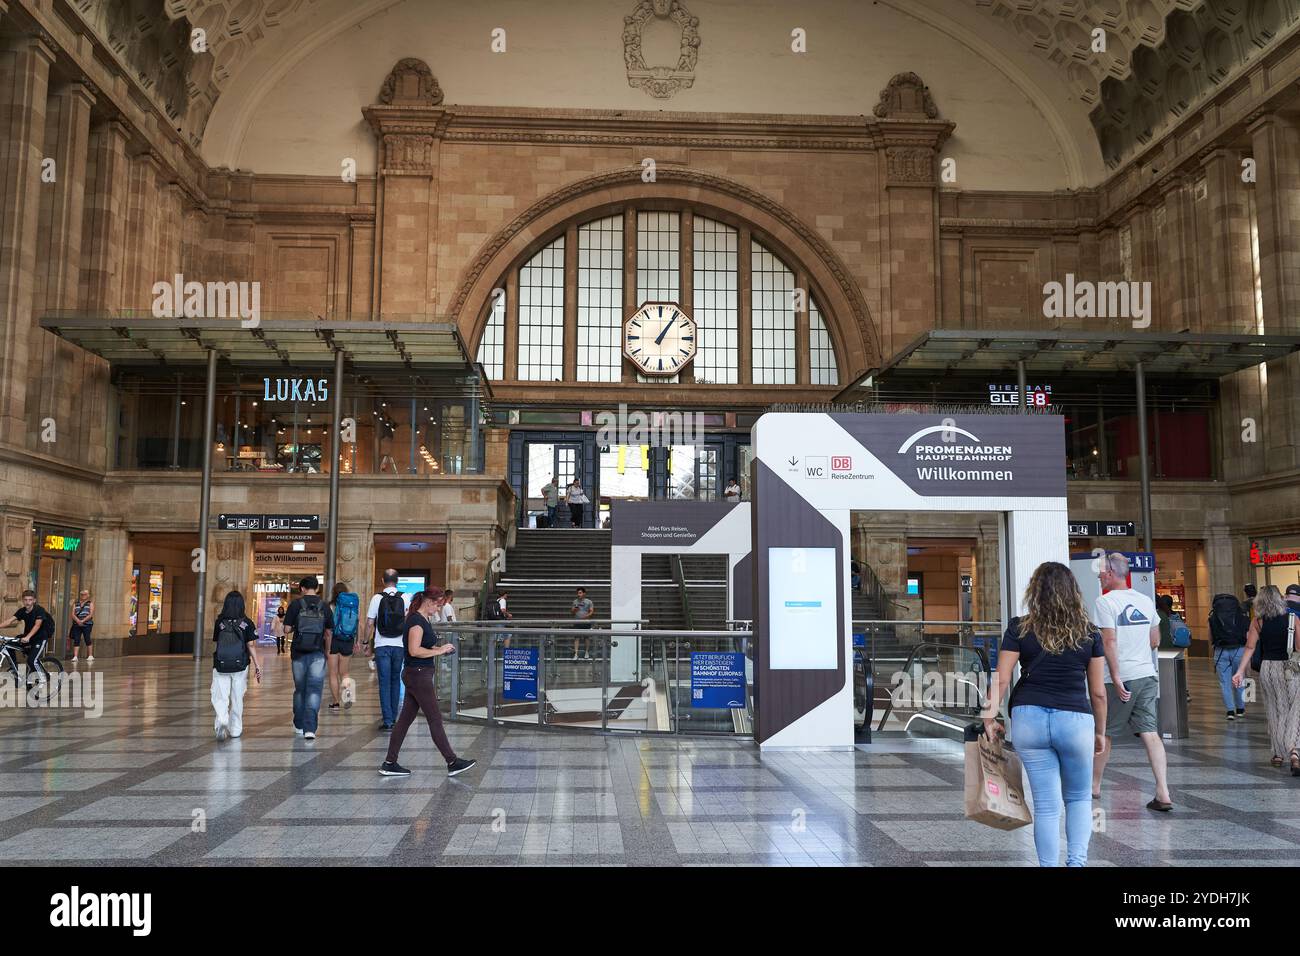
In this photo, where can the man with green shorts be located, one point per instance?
(1130, 630)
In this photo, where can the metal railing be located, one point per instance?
(599, 679)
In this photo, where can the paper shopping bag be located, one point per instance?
(995, 789)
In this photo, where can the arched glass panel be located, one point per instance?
(600, 300)
(541, 315)
(717, 304)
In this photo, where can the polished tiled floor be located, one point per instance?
(146, 783)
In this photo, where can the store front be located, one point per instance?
(280, 562)
(57, 573)
(1275, 560)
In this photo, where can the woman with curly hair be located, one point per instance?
(1057, 708)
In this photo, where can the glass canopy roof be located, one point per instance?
(1181, 354)
(124, 341)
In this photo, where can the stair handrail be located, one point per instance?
(872, 587)
(679, 577)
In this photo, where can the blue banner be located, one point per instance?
(717, 679)
(519, 673)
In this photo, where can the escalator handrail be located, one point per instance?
(911, 659)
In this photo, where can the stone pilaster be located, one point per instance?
(108, 575)
(408, 124)
(143, 232)
(230, 568)
(988, 574)
(16, 555)
(1275, 142)
(24, 77)
(909, 135)
(1176, 299)
(58, 274)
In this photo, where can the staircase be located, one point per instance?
(546, 565)
(706, 583)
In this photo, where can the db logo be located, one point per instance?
(841, 463)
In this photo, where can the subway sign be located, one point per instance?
(60, 542)
(1260, 557)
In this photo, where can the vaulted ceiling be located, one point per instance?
(1152, 61)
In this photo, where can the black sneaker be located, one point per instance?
(459, 765)
(383, 726)
(1232, 715)
(334, 706)
(391, 768)
(1241, 713)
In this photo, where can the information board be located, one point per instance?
(519, 673)
(717, 679)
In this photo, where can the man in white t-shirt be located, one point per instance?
(1130, 630)
(384, 620)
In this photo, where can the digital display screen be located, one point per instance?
(802, 607)
(411, 583)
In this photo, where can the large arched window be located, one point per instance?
(757, 325)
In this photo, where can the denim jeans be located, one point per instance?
(1056, 747)
(308, 681)
(1226, 662)
(388, 668)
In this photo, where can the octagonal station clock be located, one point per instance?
(659, 338)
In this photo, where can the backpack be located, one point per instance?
(492, 610)
(391, 614)
(347, 610)
(232, 652)
(1228, 621)
(309, 632)
(1180, 633)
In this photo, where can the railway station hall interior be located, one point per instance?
(727, 367)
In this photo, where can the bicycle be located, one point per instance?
(48, 666)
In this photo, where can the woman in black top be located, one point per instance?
(422, 649)
(1274, 629)
(1058, 708)
(229, 682)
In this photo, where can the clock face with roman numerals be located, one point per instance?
(659, 338)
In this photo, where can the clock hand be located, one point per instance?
(666, 328)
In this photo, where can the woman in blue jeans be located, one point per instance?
(1058, 708)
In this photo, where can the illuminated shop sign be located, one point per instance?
(295, 389)
(1039, 396)
(1258, 556)
(61, 542)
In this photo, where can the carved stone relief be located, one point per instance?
(661, 82)
(410, 83)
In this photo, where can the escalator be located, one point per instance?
(931, 689)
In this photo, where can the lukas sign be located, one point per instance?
(295, 389)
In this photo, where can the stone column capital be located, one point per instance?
(80, 89)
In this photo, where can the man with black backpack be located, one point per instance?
(1229, 622)
(384, 621)
(310, 620)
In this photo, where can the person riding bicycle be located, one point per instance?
(38, 628)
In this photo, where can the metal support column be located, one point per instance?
(176, 428)
(205, 504)
(1144, 465)
(415, 434)
(1023, 400)
(335, 447)
(475, 430)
